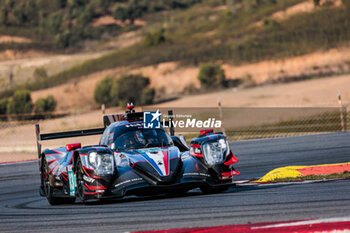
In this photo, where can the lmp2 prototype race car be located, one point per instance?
(131, 159)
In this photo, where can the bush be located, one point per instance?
(20, 104)
(147, 96)
(3, 106)
(102, 94)
(155, 38)
(269, 23)
(132, 88)
(3, 109)
(45, 104)
(62, 40)
(211, 76)
(40, 73)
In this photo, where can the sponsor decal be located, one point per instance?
(88, 179)
(196, 174)
(128, 181)
(134, 125)
(151, 120)
(72, 181)
(193, 123)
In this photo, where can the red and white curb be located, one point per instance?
(326, 225)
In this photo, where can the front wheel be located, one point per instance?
(48, 189)
(80, 181)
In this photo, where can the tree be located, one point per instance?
(40, 73)
(132, 11)
(132, 88)
(63, 40)
(147, 96)
(346, 3)
(76, 3)
(31, 12)
(20, 104)
(120, 13)
(19, 14)
(102, 94)
(155, 38)
(3, 15)
(45, 104)
(60, 4)
(211, 76)
(5, 9)
(54, 22)
(3, 106)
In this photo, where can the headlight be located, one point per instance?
(214, 151)
(102, 163)
(225, 146)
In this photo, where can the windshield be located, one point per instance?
(143, 138)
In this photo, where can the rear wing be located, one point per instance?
(107, 120)
(69, 134)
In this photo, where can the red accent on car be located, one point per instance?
(91, 193)
(90, 175)
(166, 162)
(231, 173)
(94, 188)
(232, 159)
(73, 146)
(64, 176)
(196, 154)
(206, 131)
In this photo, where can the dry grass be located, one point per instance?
(23, 64)
(14, 39)
(171, 79)
(109, 20)
(303, 7)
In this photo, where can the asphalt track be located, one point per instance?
(23, 210)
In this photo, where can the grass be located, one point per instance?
(185, 41)
(319, 123)
(343, 175)
(201, 34)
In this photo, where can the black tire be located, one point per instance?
(80, 181)
(212, 190)
(48, 189)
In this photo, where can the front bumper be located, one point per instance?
(140, 187)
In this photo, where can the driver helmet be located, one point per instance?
(139, 137)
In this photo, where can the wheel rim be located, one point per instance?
(80, 181)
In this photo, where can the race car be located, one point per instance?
(132, 159)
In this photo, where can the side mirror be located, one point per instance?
(73, 146)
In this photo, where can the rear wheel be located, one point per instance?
(48, 189)
(80, 181)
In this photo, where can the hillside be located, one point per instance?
(257, 42)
